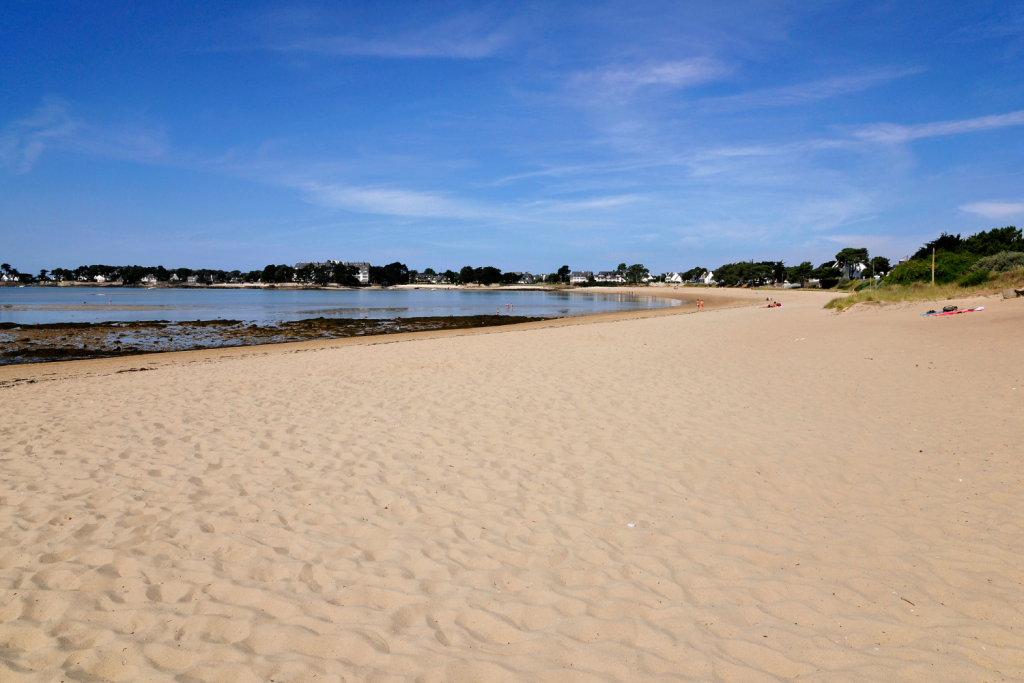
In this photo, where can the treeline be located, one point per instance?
(956, 257)
(398, 273)
(312, 273)
(128, 274)
(827, 274)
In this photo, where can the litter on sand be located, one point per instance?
(953, 311)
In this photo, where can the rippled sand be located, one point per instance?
(736, 495)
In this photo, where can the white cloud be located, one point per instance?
(587, 204)
(995, 210)
(23, 141)
(52, 126)
(385, 201)
(806, 92)
(872, 242)
(895, 133)
(675, 74)
(462, 37)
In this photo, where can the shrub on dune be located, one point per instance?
(975, 278)
(1001, 262)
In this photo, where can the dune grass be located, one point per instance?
(920, 291)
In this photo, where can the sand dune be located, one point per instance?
(736, 495)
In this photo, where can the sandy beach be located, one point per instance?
(739, 494)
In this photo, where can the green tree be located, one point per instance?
(345, 275)
(396, 274)
(851, 257)
(636, 273)
(880, 266)
(488, 275)
(323, 274)
(944, 242)
(266, 276)
(467, 275)
(984, 243)
(563, 273)
(429, 271)
(693, 274)
(284, 273)
(827, 274)
(131, 275)
(801, 273)
(989, 243)
(949, 267)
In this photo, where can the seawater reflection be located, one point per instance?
(35, 305)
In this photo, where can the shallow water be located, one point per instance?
(35, 305)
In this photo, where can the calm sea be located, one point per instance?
(33, 305)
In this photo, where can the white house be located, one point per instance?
(100, 278)
(192, 278)
(580, 277)
(363, 270)
(674, 278)
(707, 278)
(526, 279)
(149, 279)
(175, 278)
(362, 267)
(854, 271)
(610, 276)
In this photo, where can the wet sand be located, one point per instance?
(22, 343)
(740, 494)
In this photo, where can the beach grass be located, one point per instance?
(921, 291)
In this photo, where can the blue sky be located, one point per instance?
(521, 135)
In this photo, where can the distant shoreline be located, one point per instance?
(333, 287)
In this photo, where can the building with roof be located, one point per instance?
(581, 277)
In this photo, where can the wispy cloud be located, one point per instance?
(806, 92)
(387, 201)
(587, 204)
(23, 141)
(675, 74)
(871, 241)
(995, 210)
(894, 133)
(52, 126)
(462, 37)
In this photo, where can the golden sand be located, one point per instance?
(740, 494)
